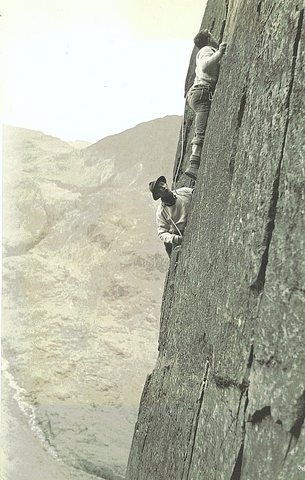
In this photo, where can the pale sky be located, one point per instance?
(85, 69)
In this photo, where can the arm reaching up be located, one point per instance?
(209, 60)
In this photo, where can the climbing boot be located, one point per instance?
(196, 150)
(192, 170)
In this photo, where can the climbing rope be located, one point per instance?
(171, 220)
(181, 154)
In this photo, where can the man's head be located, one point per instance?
(204, 38)
(159, 189)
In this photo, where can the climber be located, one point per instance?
(172, 212)
(200, 94)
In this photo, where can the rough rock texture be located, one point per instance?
(226, 399)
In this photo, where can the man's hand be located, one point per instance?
(222, 48)
(177, 240)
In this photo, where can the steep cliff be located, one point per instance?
(226, 399)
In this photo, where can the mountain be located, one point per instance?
(83, 273)
(79, 144)
(148, 147)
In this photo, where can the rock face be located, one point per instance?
(226, 399)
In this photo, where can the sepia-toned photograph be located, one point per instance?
(153, 240)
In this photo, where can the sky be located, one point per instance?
(85, 69)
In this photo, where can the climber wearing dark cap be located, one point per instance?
(172, 212)
(200, 94)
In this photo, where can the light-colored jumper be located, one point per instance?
(207, 66)
(171, 219)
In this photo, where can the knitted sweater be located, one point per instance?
(171, 219)
(207, 66)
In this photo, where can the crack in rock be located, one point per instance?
(223, 26)
(258, 285)
(225, 382)
(297, 426)
(240, 114)
(258, 8)
(242, 106)
(295, 430)
(236, 474)
(193, 432)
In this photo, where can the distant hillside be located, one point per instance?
(149, 145)
(79, 144)
(134, 156)
(83, 276)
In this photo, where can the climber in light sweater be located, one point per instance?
(200, 94)
(172, 212)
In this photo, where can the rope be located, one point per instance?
(181, 155)
(171, 220)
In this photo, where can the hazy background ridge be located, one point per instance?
(83, 276)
